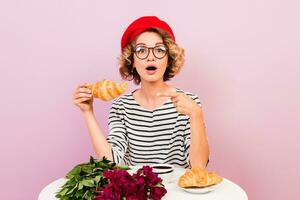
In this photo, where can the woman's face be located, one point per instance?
(151, 68)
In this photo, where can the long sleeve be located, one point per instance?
(117, 136)
(187, 132)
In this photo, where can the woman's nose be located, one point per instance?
(151, 56)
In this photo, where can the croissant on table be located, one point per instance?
(198, 177)
(107, 90)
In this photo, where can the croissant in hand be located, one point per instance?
(107, 90)
(198, 177)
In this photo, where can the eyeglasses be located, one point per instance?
(159, 51)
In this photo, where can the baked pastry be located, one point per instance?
(198, 177)
(107, 90)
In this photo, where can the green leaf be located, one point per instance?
(80, 186)
(88, 183)
(74, 188)
(87, 169)
(123, 167)
(79, 193)
(92, 160)
(85, 194)
(76, 170)
(97, 179)
(63, 192)
(84, 179)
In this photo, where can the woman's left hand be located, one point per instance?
(183, 104)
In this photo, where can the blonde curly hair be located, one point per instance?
(175, 58)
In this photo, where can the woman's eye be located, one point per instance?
(140, 50)
(161, 49)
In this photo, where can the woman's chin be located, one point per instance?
(153, 79)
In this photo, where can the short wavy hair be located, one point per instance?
(175, 58)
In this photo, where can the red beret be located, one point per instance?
(141, 24)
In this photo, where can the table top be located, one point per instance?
(226, 190)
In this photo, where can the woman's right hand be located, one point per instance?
(83, 97)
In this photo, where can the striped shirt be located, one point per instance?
(140, 136)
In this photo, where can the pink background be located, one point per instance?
(242, 59)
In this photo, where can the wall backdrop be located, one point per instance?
(242, 59)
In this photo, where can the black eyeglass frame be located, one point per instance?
(151, 48)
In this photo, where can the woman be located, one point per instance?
(157, 123)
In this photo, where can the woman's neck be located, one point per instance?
(147, 97)
(149, 90)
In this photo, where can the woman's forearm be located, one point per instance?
(199, 148)
(100, 144)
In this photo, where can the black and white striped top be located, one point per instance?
(141, 136)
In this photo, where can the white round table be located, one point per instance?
(226, 190)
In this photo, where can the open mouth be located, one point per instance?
(151, 68)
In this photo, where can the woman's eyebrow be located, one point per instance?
(145, 44)
(140, 44)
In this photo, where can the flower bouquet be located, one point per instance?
(104, 180)
(144, 184)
